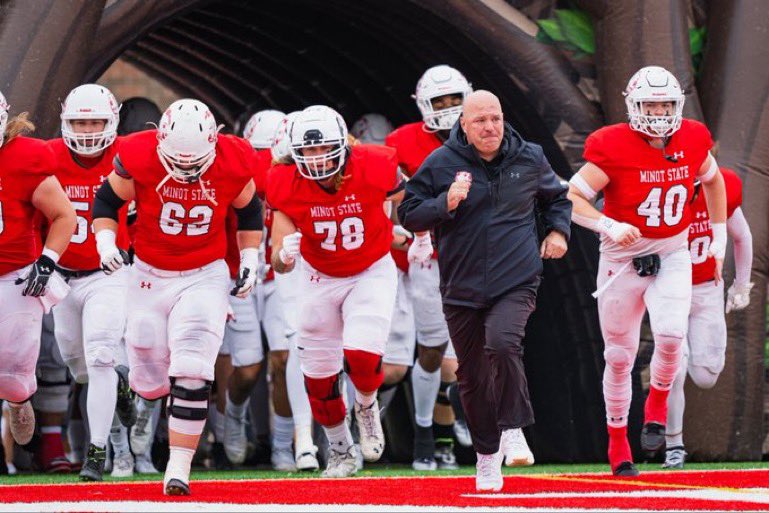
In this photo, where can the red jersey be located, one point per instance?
(178, 226)
(24, 163)
(262, 163)
(413, 144)
(700, 231)
(345, 232)
(80, 182)
(645, 189)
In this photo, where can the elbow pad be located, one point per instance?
(107, 203)
(250, 216)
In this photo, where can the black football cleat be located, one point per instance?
(177, 487)
(125, 406)
(625, 469)
(652, 437)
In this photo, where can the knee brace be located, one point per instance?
(326, 401)
(52, 395)
(187, 402)
(364, 369)
(443, 394)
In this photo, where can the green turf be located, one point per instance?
(380, 471)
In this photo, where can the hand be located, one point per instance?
(230, 313)
(290, 249)
(112, 258)
(717, 251)
(421, 250)
(738, 296)
(37, 279)
(457, 193)
(554, 245)
(249, 262)
(623, 234)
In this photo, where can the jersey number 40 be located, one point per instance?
(670, 212)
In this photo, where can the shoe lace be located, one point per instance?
(675, 456)
(516, 439)
(486, 464)
(367, 414)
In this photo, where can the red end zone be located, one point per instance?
(661, 491)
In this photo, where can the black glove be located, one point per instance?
(648, 265)
(37, 279)
(123, 255)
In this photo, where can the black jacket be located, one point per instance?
(488, 245)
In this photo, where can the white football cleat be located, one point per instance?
(488, 472)
(307, 458)
(513, 445)
(462, 433)
(144, 465)
(141, 431)
(372, 439)
(341, 464)
(283, 460)
(123, 465)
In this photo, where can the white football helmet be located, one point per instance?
(371, 129)
(440, 81)
(654, 84)
(261, 127)
(4, 108)
(187, 140)
(281, 142)
(89, 101)
(319, 126)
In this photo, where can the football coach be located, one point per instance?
(480, 193)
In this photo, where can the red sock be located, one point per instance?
(619, 447)
(51, 446)
(656, 408)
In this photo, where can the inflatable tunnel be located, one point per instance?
(362, 56)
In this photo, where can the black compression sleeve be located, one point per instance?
(107, 203)
(250, 216)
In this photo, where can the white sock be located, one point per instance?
(118, 437)
(179, 464)
(282, 432)
(425, 387)
(297, 394)
(674, 435)
(364, 400)
(236, 410)
(339, 437)
(303, 437)
(102, 396)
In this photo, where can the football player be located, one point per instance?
(184, 177)
(328, 207)
(439, 95)
(90, 322)
(705, 345)
(646, 169)
(27, 185)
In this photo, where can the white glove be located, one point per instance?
(421, 250)
(249, 262)
(738, 296)
(615, 230)
(290, 249)
(112, 258)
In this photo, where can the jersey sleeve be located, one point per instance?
(595, 149)
(702, 139)
(733, 186)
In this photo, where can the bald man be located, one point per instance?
(479, 192)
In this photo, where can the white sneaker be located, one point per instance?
(123, 465)
(488, 472)
(141, 431)
(372, 439)
(462, 433)
(341, 464)
(307, 458)
(513, 445)
(144, 465)
(358, 453)
(235, 441)
(283, 460)
(675, 457)
(22, 422)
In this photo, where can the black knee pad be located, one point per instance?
(186, 412)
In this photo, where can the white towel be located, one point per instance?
(57, 290)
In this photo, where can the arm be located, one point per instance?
(421, 209)
(553, 202)
(50, 199)
(110, 197)
(248, 210)
(282, 227)
(715, 196)
(738, 295)
(583, 187)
